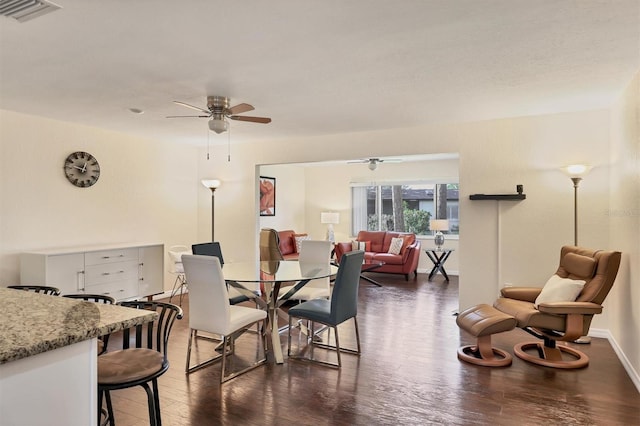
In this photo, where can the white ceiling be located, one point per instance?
(316, 67)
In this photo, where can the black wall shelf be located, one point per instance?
(504, 197)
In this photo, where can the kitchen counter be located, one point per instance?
(48, 356)
(33, 323)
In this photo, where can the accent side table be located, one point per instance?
(438, 257)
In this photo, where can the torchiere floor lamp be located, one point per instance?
(212, 184)
(576, 172)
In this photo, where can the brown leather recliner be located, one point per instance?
(562, 321)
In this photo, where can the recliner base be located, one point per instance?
(484, 354)
(551, 357)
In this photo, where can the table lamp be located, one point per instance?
(439, 225)
(330, 218)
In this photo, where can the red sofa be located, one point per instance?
(377, 249)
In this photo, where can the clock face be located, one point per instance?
(82, 169)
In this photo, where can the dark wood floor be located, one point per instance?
(408, 374)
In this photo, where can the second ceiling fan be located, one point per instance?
(218, 110)
(373, 162)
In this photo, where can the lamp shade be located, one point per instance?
(577, 170)
(330, 217)
(211, 183)
(439, 225)
(218, 125)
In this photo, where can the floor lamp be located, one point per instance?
(212, 184)
(576, 172)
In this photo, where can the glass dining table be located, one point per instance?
(247, 276)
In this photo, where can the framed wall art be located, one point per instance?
(267, 196)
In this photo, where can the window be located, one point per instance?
(404, 207)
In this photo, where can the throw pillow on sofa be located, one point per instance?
(361, 245)
(298, 239)
(396, 245)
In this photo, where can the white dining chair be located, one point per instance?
(176, 268)
(210, 311)
(312, 251)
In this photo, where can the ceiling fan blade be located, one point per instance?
(263, 120)
(240, 108)
(192, 107)
(188, 116)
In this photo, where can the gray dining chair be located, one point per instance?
(331, 313)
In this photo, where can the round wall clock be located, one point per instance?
(82, 169)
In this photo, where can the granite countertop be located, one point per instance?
(33, 323)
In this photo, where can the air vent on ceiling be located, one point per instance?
(23, 10)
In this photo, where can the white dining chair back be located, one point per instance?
(315, 251)
(208, 296)
(312, 251)
(176, 268)
(211, 311)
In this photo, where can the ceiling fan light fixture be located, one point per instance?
(373, 164)
(218, 125)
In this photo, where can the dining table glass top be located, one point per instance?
(276, 271)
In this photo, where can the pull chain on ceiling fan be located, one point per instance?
(218, 111)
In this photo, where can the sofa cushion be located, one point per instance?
(361, 245)
(376, 238)
(388, 258)
(408, 240)
(287, 243)
(396, 245)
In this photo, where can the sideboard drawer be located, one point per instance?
(110, 272)
(118, 289)
(110, 256)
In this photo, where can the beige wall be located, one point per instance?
(146, 191)
(515, 242)
(623, 304)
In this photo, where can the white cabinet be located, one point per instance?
(120, 271)
(151, 270)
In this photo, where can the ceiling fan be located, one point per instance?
(373, 162)
(218, 111)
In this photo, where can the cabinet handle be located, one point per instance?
(109, 257)
(109, 273)
(80, 280)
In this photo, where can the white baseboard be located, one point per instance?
(606, 334)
